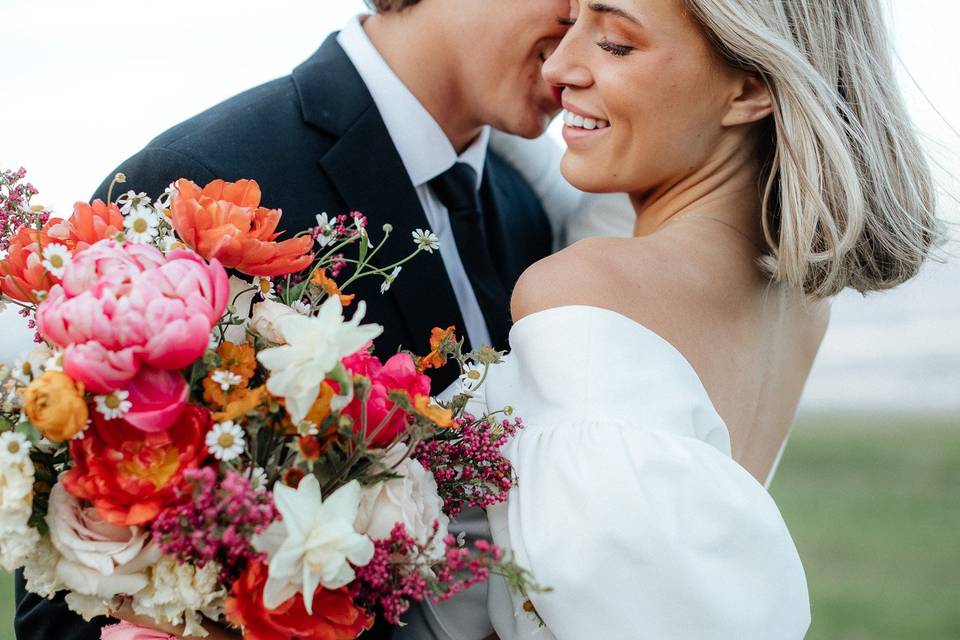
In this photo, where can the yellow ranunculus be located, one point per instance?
(55, 406)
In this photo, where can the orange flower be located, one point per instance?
(91, 223)
(241, 402)
(432, 412)
(55, 406)
(22, 273)
(438, 336)
(239, 359)
(224, 220)
(309, 448)
(335, 616)
(320, 279)
(130, 475)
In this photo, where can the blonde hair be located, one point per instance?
(848, 196)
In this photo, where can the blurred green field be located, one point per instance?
(874, 506)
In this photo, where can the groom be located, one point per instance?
(391, 117)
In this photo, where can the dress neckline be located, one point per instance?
(639, 326)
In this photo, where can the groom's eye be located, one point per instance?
(566, 22)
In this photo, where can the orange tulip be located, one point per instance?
(224, 220)
(91, 223)
(22, 273)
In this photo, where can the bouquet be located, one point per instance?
(209, 447)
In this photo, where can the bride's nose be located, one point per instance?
(564, 67)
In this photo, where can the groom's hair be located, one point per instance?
(384, 6)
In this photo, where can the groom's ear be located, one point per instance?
(751, 101)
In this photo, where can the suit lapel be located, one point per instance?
(369, 175)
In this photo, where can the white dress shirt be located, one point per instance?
(426, 153)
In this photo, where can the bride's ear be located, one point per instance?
(752, 102)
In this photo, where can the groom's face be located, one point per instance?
(505, 43)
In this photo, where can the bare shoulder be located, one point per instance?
(615, 273)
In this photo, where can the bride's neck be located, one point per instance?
(400, 38)
(726, 188)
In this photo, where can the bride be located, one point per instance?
(771, 164)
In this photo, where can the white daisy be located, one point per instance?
(326, 230)
(301, 307)
(226, 379)
(389, 280)
(56, 257)
(258, 478)
(141, 224)
(14, 447)
(307, 428)
(171, 243)
(426, 240)
(113, 405)
(22, 371)
(225, 441)
(265, 286)
(471, 377)
(131, 201)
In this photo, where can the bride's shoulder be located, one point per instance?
(643, 277)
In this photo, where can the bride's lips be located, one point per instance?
(581, 126)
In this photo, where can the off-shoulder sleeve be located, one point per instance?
(642, 533)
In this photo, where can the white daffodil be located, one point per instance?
(141, 224)
(225, 441)
(314, 347)
(315, 544)
(56, 257)
(113, 405)
(385, 286)
(14, 447)
(226, 379)
(426, 240)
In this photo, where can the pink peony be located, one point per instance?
(127, 631)
(127, 317)
(399, 373)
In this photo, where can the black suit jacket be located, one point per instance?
(315, 142)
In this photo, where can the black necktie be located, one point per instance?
(456, 188)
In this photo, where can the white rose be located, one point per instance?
(413, 500)
(40, 570)
(266, 318)
(98, 558)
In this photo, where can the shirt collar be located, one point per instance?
(424, 148)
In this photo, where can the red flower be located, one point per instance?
(130, 475)
(399, 373)
(224, 220)
(335, 616)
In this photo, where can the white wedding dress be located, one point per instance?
(628, 504)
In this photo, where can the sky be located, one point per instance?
(87, 84)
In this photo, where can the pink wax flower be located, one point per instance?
(128, 317)
(128, 631)
(399, 373)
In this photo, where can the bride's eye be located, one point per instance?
(618, 50)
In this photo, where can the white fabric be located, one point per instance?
(426, 153)
(627, 503)
(574, 215)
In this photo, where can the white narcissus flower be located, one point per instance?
(56, 258)
(313, 348)
(412, 499)
(98, 559)
(315, 543)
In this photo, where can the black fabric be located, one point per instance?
(315, 142)
(457, 189)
